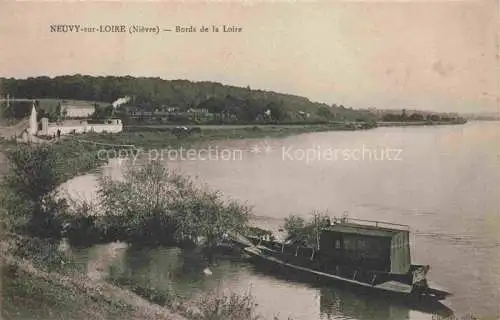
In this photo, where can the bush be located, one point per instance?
(306, 232)
(43, 253)
(216, 306)
(294, 226)
(29, 191)
(155, 205)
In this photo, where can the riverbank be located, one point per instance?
(78, 154)
(41, 280)
(32, 289)
(149, 137)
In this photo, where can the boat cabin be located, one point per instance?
(371, 247)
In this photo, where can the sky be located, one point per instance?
(428, 55)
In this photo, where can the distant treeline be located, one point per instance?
(245, 104)
(415, 116)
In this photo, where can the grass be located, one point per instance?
(28, 296)
(233, 306)
(162, 297)
(151, 137)
(31, 291)
(36, 285)
(213, 305)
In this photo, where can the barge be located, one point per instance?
(370, 255)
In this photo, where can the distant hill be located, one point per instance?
(159, 94)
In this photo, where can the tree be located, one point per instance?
(103, 112)
(294, 226)
(306, 232)
(212, 105)
(139, 206)
(249, 111)
(154, 203)
(391, 117)
(204, 214)
(18, 110)
(30, 193)
(325, 112)
(404, 116)
(156, 91)
(278, 111)
(416, 117)
(60, 112)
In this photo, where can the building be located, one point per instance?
(197, 113)
(78, 126)
(45, 128)
(73, 110)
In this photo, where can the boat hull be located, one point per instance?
(275, 263)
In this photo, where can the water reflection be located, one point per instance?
(344, 304)
(160, 268)
(340, 301)
(336, 304)
(182, 271)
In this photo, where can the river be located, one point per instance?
(443, 181)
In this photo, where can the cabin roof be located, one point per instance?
(365, 230)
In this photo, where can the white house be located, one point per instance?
(71, 126)
(70, 110)
(79, 126)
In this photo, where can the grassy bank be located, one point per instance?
(40, 282)
(162, 136)
(41, 268)
(34, 295)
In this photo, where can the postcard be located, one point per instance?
(246, 160)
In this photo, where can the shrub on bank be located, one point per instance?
(45, 254)
(29, 191)
(233, 306)
(154, 206)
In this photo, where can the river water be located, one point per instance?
(442, 181)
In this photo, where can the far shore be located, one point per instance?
(83, 149)
(416, 123)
